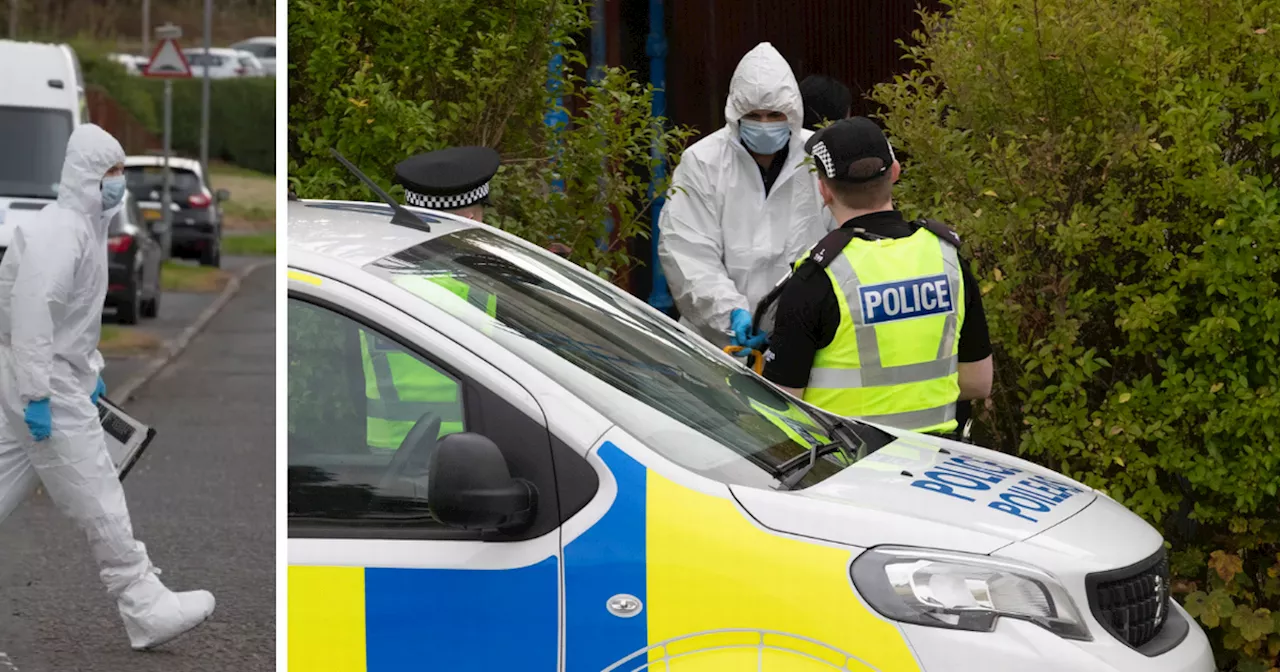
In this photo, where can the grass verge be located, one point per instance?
(180, 277)
(119, 341)
(252, 206)
(255, 245)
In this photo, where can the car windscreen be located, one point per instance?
(576, 318)
(35, 145)
(142, 180)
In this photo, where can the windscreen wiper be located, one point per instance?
(800, 465)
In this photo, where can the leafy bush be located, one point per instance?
(242, 112)
(381, 80)
(1113, 169)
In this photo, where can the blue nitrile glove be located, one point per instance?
(744, 335)
(758, 342)
(98, 392)
(38, 418)
(740, 323)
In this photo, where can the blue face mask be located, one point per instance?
(764, 137)
(112, 191)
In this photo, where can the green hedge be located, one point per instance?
(1112, 167)
(242, 112)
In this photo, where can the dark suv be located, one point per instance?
(195, 208)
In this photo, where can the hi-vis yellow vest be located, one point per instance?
(399, 387)
(894, 357)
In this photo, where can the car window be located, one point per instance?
(269, 51)
(142, 180)
(552, 313)
(203, 59)
(35, 143)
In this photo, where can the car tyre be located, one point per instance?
(127, 311)
(151, 307)
(211, 255)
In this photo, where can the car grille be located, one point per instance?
(1132, 603)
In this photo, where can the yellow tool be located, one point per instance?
(755, 357)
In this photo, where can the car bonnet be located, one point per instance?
(924, 492)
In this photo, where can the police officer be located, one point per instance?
(882, 320)
(399, 386)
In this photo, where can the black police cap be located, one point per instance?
(837, 147)
(448, 179)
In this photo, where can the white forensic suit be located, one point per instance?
(723, 244)
(53, 280)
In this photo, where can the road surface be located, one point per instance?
(202, 499)
(178, 310)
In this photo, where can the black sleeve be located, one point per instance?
(806, 320)
(975, 342)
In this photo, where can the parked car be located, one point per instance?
(264, 48)
(619, 493)
(133, 265)
(196, 231)
(40, 104)
(252, 66)
(222, 63)
(132, 64)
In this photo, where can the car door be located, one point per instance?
(374, 584)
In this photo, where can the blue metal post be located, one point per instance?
(556, 118)
(656, 49)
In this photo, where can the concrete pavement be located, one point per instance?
(202, 499)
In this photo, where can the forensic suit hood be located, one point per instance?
(723, 242)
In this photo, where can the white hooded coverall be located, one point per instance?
(723, 244)
(53, 280)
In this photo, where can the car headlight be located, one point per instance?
(963, 592)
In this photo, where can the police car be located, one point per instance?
(621, 495)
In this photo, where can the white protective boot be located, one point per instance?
(153, 614)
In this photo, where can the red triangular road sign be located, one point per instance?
(167, 61)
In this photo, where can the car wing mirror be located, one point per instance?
(469, 486)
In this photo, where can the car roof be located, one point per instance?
(28, 86)
(174, 162)
(328, 228)
(215, 51)
(266, 39)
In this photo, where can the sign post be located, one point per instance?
(167, 62)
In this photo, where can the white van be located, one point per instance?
(41, 102)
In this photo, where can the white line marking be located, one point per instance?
(6, 664)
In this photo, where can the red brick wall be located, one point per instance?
(107, 113)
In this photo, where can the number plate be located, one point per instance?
(151, 215)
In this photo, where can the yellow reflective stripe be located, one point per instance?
(304, 277)
(326, 619)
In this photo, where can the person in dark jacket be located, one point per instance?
(825, 99)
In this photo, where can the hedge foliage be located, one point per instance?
(381, 80)
(242, 112)
(1112, 167)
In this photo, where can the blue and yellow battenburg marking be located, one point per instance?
(713, 587)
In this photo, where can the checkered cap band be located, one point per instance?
(820, 153)
(451, 202)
